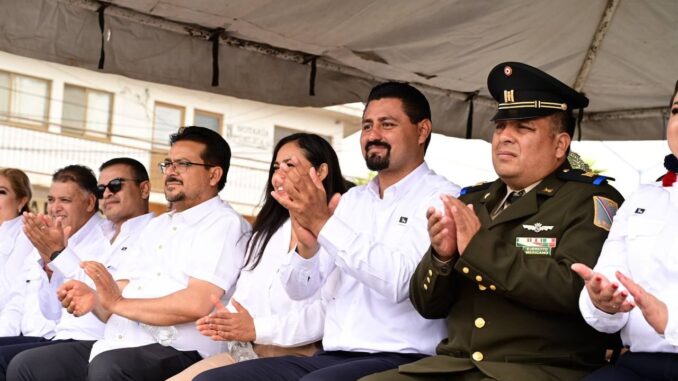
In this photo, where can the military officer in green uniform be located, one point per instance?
(499, 265)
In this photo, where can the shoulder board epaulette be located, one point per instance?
(475, 188)
(583, 177)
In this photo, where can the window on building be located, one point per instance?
(167, 120)
(208, 120)
(86, 111)
(24, 99)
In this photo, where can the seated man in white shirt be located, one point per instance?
(375, 238)
(182, 258)
(72, 201)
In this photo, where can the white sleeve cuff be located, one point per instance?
(600, 320)
(67, 263)
(265, 329)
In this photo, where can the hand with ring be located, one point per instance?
(605, 295)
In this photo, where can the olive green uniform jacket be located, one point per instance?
(512, 312)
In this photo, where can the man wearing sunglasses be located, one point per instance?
(77, 233)
(185, 257)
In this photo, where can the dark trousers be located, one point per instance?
(70, 362)
(324, 366)
(12, 345)
(65, 361)
(639, 366)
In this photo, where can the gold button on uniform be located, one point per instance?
(481, 287)
(480, 322)
(425, 286)
(430, 272)
(465, 270)
(477, 356)
(479, 278)
(428, 279)
(493, 287)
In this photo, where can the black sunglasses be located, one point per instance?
(114, 186)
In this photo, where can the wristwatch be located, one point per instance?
(55, 254)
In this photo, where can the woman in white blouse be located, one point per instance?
(260, 311)
(634, 286)
(15, 194)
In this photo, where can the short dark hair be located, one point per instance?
(138, 170)
(563, 121)
(81, 175)
(216, 152)
(415, 104)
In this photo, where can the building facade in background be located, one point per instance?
(53, 115)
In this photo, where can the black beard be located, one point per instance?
(378, 163)
(375, 162)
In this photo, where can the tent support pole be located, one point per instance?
(598, 37)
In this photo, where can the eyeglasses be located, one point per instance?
(180, 166)
(114, 186)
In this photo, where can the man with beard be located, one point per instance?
(74, 232)
(374, 239)
(499, 265)
(182, 259)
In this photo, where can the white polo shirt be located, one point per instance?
(205, 242)
(376, 244)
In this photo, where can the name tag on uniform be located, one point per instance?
(536, 245)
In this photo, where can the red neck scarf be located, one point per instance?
(669, 178)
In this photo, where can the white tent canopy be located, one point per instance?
(621, 53)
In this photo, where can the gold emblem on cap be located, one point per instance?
(508, 71)
(508, 96)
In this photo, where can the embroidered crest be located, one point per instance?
(604, 211)
(538, 227)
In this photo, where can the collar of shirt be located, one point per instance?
(193, 215)
(509, 190)
(404, 184)
(9, 230)
(10, 227)
(135, 224)
(93, 223)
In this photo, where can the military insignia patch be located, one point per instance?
(536, 245)
(538, 227)
(604, 209)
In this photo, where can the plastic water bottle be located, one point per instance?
(164, 335)
(241, 350)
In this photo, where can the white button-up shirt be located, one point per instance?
(205, 242)
(20, 278)
(14, 248)
(278, 319)
(92, 242)
(643, 244)
(376, 244)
